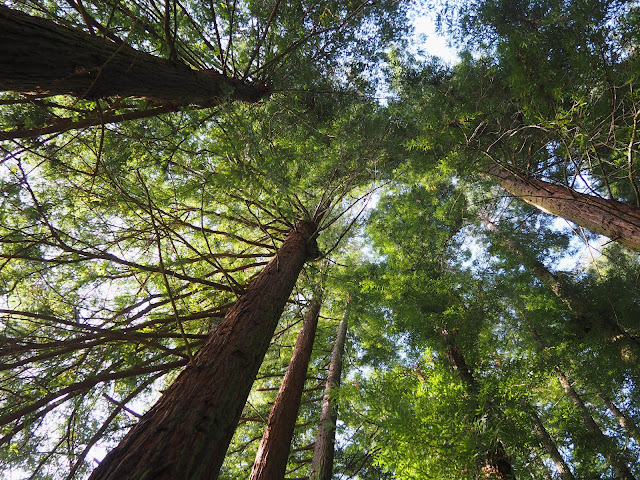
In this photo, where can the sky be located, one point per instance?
(431, 42)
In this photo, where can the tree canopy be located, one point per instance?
(189, 188)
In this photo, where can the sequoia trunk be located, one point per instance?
(566, 291)
(322, 461)
(44, 58)
(625, 422)
(617, 220)
(186, 433)
(607, 447)
(273, 453)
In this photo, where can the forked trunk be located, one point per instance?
(617, 220)
(273, 453)
(185, 435)
(323, 452)
(44, 58)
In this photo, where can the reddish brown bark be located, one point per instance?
(273, 452)
(42, 57)
(617, 220)
(186, 433)
(497, 464)
(323, 452)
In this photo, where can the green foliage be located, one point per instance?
(123, 244)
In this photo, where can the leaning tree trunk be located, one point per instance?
(322, 461)
(44, 58)
(619, 466)
(549, 445)
(567, 293)
(496, 463)
(606, 444)
(625, 422)
(273, 453)
(617, 220)
(186, 433)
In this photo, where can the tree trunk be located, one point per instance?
(617, 220)
(496, 461)
(273, 452)
(497, 464)
(624, 421)
(619, 466)
(44, 58)
(565, 291)
(549, 445)
(186, 433)
(322, 461)
(608, 449)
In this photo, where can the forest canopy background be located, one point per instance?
(183, 182)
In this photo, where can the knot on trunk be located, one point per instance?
(313, 252)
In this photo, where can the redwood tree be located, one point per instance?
(72, 62)
(187, 432)
(273, 452)
(324, 448)
(619, 221)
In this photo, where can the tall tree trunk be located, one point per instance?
(323, 452)
(273, 452)
(607, 447)
(617, 220)
(619, 466)
(625, 422)
(186, 433)
(565, 291)
(549, 445)
(496, 462)
(42, 57)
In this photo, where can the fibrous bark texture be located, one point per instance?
(323, 452)
(617, 220)
(273, 453)
(185, 435)
(44, 58)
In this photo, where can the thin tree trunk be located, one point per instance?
(44, 58)
(626, 423)
(566, 292)
(608, 449)
(620, 468)
(496, 462)
(273, 452)
(617, 220)
(549, 445)
(186, 433)
(323, 452)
